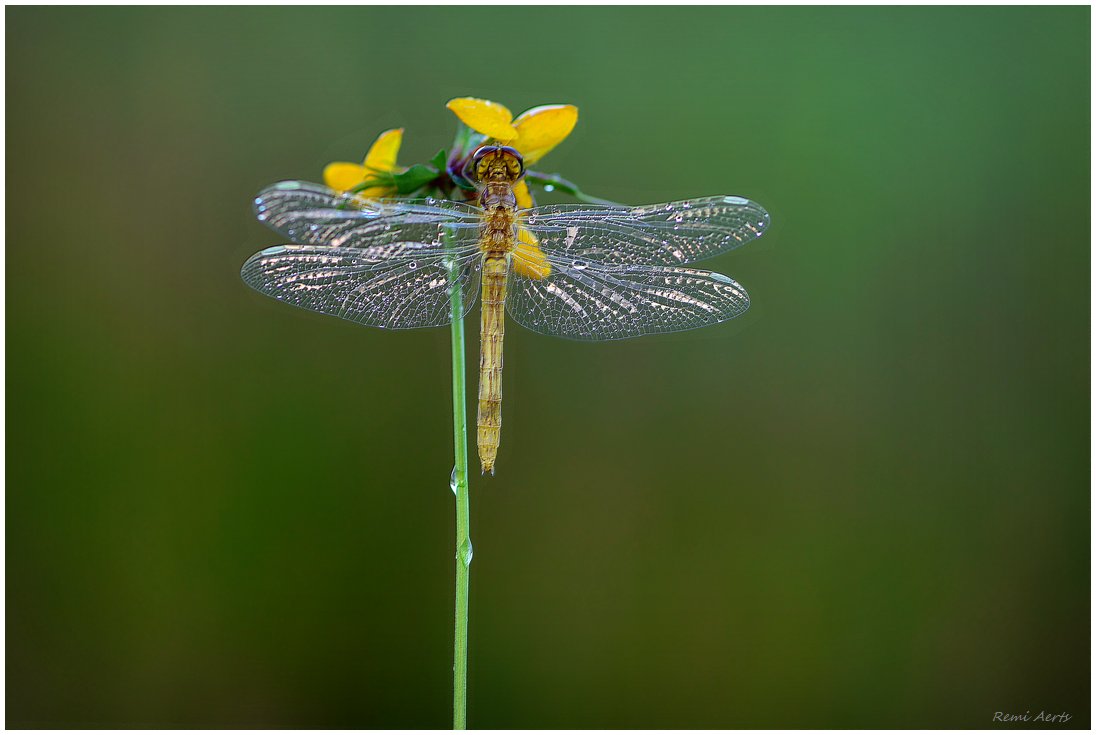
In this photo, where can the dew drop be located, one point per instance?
(464, 553)
(579, 264)
(679, 218)
(549, 188)
(413, 265)
(453, 480)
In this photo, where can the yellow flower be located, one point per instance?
(533, 133)
(381, 159)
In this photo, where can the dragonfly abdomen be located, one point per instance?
(492, 331)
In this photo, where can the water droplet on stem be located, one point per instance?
(464, 553)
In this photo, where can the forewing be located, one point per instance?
(399, 293)
(597, 302)
(312, 214)
(658, 234)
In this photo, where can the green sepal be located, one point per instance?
(460, 142)
(440, 160)
(378, 178)
(415, 178)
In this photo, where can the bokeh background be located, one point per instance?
(863, 504)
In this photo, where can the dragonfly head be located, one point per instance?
(495, 164)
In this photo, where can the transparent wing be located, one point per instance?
(400, 293)
(597, 302)
(660, 234)
(312, 214)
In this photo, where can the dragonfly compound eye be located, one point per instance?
(475, 169)
(482, 152)
(514, 162)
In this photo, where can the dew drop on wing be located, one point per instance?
(413, 265)
(579, 264)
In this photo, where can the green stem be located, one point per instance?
(555, 182)
(459, 483)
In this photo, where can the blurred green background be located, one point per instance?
(863, 504)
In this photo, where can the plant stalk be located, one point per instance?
(555, 182)
(459, 484)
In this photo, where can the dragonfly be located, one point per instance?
(580, 271)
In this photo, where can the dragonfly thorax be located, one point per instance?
(497, 196)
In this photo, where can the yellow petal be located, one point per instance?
(529, 260)
(484, 116)
(543, 128)
(521, 193)
(382, 154)
(342, 176)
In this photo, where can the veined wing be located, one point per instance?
(410, 289)
(659, 234)
(593, 301)
(312, 214)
